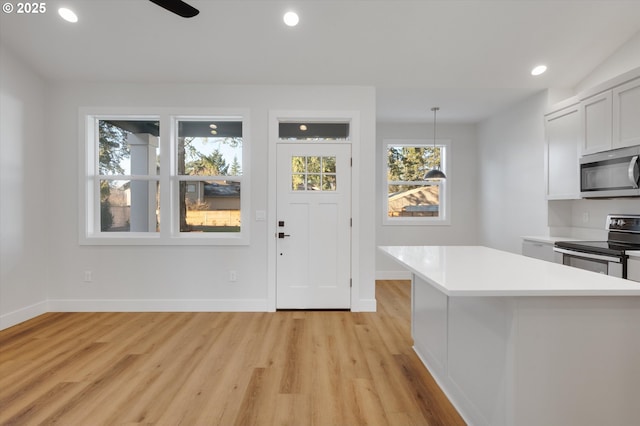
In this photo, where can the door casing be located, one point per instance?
(275, 117)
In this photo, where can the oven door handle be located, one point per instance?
(587, 255)
(634, 172)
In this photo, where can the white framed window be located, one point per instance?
(409, 199)
(164, 178)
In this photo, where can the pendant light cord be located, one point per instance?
(435, 173)
(434, 109)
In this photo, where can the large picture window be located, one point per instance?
(165, 179)
(409, 198)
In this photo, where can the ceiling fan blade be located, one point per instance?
(178, 7)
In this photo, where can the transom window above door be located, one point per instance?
(313, 132)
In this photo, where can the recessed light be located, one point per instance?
(214, 132)
(213, 126)
(67, 14)
(303, 127)
(291, 19)
(540, 69)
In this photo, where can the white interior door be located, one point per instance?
(313, 266)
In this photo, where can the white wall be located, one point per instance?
(626, 58)
(187, 277)
(586, 219)
(24, 188)
(463, 229)
(511, 191)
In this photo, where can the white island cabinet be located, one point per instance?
(518, 341)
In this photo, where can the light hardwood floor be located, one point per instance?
(284, 368)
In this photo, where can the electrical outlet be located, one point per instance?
(233, 276)
(88, 276)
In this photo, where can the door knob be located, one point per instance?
(282, 235)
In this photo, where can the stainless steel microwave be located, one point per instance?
(611, 174)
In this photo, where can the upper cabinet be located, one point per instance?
(626, 114)
(611, 119)
(562, 150)
(596, 112)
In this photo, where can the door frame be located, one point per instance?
(275, 117)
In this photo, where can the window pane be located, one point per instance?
(411, 163)
(329, 183)
(298, 182)
(209, 148)
(329, 164)
(298, 165)
(210, 206)
(313, 183)
(128, 147)
(313, 131)
(414, 200)
(129, 206)
(313, 164)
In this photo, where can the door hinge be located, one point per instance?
(350, 282)
(351, 222)
(351, 161)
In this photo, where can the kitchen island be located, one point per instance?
(519, 341)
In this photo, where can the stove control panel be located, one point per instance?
(623, 223)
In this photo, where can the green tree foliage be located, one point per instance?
(410, 163)
(236, 169)
(213, 164)
(113, 148)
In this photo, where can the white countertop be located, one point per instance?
(482, 271)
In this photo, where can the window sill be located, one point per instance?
(407, 221)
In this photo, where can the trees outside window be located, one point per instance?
(196, 188)
(408, 197)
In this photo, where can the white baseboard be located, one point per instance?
(393, 275)
(148, 305)
(23, 314)
(365, 305)
(448, 387)
(158, 305)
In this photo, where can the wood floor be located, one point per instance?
(284, 368)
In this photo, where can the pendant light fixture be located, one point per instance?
(435, 173)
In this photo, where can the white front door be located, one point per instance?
(313, 266)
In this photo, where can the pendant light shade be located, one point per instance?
(435, 173)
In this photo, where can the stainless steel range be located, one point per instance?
(606, 257)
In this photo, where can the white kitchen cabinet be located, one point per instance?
(610, 119)
(562, 150)
(596, 114)
(626, 114)
(537, 249)
(633, 268)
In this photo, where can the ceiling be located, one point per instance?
(471, 58)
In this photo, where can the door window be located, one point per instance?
(313, 173)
